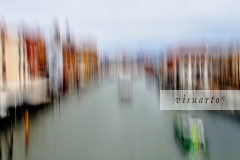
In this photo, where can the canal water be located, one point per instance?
(94, 124)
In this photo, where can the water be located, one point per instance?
(95, 125)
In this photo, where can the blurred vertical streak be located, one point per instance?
(11, 142)
(3, 58)
(24, 62)
(26, 122)
(0, 148)
(19, 60)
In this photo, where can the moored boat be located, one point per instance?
(189, 134)
(125, 87)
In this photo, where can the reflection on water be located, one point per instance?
(10, 143)
(94, 124)
(152, 83)
(123, 103)
(0, 149)
(26, 120)
(6, 142)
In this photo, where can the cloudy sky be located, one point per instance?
(132, 23)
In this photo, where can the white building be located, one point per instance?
(187, 67)
(194, 68)
(55, 61)
(13, 69)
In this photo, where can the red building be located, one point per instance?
(36, 54)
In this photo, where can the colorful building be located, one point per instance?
(69, 65)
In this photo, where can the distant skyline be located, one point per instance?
(133, 24)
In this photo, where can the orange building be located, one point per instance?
(88, 57)
(36, 54)
(41, 59)
(69, 65)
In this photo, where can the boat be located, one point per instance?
(36, 92)
(125, 87)
(189, 134)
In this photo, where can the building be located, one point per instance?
(70, 72)
(36, 83)
(13, 68)
(36, 53)
(55, 61)
(187, 67)
(87, 62)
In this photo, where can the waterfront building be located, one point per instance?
(36, 82)
(87, 62)
(55, 61)
(69, 64)
(12, 71)
(186, 67)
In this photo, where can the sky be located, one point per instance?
(133, 24)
